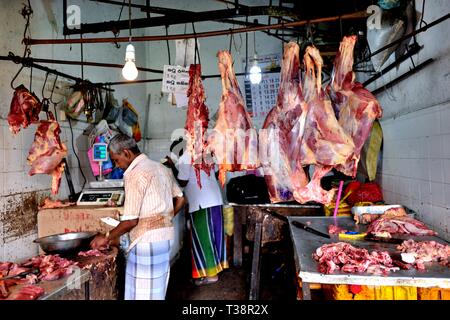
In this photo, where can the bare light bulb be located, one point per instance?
(255, 74)
(129, 70)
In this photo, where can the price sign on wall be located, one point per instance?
(175, 79)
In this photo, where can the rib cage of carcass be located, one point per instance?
(281, 129)
(324, 143)
(233, 141)
(197, 119)
(355, 107)
(313, 129)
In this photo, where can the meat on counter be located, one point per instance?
(426, 251)
(400, 224)
(50, 267)
(341, 256)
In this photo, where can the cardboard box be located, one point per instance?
(75, 219)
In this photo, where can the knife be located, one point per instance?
(306, 228)
(33, 271)
(383, 239)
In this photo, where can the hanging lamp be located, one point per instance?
(255, 70)
(129, 70)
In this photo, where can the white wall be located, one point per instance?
(19, 193)
(415, 169)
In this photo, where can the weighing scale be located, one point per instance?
(103, 190)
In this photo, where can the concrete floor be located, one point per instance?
(277, 277)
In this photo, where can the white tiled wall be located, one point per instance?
(416, 126)
(415, 169)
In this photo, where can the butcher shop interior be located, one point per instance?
(245, 150)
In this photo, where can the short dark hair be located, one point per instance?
(121, 141)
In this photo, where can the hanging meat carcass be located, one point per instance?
(282, 129)
(24, 109)
(47, 152)
(324, 143)
(355, 107)
(197, 122)
(234, 141)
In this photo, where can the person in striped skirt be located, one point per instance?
(205, 220)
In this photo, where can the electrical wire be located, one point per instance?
(129, 18)
(167, 41)
(422, 21)
(254, 43)
(76, 155)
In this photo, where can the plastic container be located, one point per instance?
(346, 292)
(344, 210)
(433, 294)
(358, 210)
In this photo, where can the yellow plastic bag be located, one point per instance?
(228, 220)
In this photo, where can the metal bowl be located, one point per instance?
(65, 242)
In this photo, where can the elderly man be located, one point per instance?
(148, 211)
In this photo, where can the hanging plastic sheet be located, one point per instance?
(391, 27)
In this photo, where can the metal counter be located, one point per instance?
(306, 243)
(57, 288)
(77, 282)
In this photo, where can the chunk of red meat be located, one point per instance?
(355, 107)
(401, 224)
(30, 292)
(234, 140)
(3, 290)
(425, 251)
(47, 152)
(347, 258)
(333, 229)
(197, 119)
(24, 109)
(324, 143)
(283, 128)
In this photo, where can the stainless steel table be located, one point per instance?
(62, 287)
(58, 288)
(305, 243)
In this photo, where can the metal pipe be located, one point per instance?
(403, 76)
(356, 15)
(412, 51)
(65, 28)
(28, 63)
(180, 17)
(86, 63)
(159, 80)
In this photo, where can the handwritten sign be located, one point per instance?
(175, 79)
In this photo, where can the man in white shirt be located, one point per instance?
(208, 246)
(150, 191)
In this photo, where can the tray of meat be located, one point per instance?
(367, 214)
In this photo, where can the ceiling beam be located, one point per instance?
(355, 15)
(181, 17)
